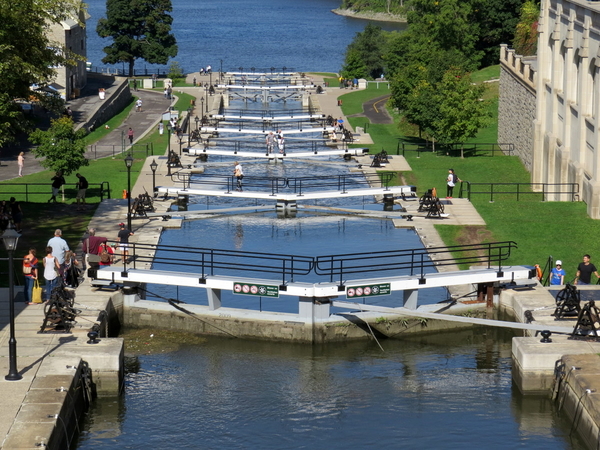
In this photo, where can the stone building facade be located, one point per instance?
(566, 134)
(70, 34)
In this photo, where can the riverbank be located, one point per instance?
(375, 16)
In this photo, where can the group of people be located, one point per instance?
(61, 263)
(347, 83)
(58, 181)
(585, 270)
(273, 139)
(11, 213)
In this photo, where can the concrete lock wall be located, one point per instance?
(276, 326)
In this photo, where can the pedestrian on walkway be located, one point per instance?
(161, 128)
(270, 141)
(238, 172)
(585, 271)
(451, 182)
(138, 105)
(57, 181)
(30, 274)
(82, 186)
(123, 240)
(51, 272)
(58, 248)
(130, 135)
(557, 275)
(16, 213)
(21, 162)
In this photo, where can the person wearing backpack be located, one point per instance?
(106, 253)
(451, 182)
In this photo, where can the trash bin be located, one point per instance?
(339, 103)
(125, 194)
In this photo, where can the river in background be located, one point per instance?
(300, 34)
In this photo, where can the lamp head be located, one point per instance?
(153, 165)
(10, 238)
(129, 161)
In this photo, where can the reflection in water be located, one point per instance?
(445, 391)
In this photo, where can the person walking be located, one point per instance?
(51, 272)
(585, 271)
(82, 186)
(451, 182)
(57, 181)
(270, 141)
(557, 274)
(130, 135)
(238, 172)
(59, 248)
(17, 214)
(91, 246)
(138, 105)
(30, 274)
(123, 240)
(21, 162)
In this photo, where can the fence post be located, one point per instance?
(491, 192)
(518, 186)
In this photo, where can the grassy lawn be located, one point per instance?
(540, 229)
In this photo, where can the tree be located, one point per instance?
(61, 146)
(140, 29)
(366, 51)
(27, 58)
(462, 112)
(525, 41)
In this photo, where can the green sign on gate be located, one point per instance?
(262, 290)
(369, 290)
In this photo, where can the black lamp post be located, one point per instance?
(197, 119)
(168, 151)
(153, 167)
(10, 238)
(180, 137)
(129, 163)
(221, 72)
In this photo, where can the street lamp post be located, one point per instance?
(180, 137)
(153, 167)
(169, 151)
(128, 164)
(197, 119)
(10, 238)
(221, 72)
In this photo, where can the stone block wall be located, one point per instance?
(516, 110)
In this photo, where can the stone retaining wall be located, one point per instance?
(517, 105)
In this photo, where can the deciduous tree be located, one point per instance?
(27, 58)
(140, 29)
(62, 147)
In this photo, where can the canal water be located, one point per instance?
(447, 391)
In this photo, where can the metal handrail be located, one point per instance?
(412, 261)
(469, 148)
(211, 262)
(543, 189)
(297, 185)
(46, 190)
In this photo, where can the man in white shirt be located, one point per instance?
(59, 247)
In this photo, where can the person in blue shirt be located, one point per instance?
(557, 275)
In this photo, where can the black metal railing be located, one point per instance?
(466, 149)
(296, 185)
(413, 261)
(219, 262)
(518, 190)
(268, 114)
(95, 151)
(39, 192)
(210, 262)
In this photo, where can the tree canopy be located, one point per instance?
(364, 56)
(27, 58)
(62, 147)
(140, 29)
